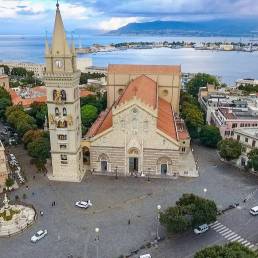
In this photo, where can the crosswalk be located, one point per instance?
(231, 236)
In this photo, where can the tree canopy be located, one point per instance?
(230, 149)
(6, 69)
(200, 80)
(39, 112)
(88, 114)
(253, 159)
(190, 211)
(210, 136)
(39, 149)
(231, 250)
(5, 102)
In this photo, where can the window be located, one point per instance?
(253, 143)
(64, 112)
(234, 125)
(227, 133)
(56, 111)
(246, 139)
(63, 146)
(242, 125)
(64, 159)
(54, 94)
(63, 95)
(62, 137)
(238, 137)
(183, 149)
(145, 125)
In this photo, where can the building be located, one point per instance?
(38, 69)
(140, 133)
(63, 99)
(3, 167)
(245, 82)
(168, 79)
(4, 79)
(249, 138)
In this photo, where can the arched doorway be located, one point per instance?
(104, 165)
(86, 156)
(133, 161)
(163, 165)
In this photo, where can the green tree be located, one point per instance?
(210, 136)
(200, 80)
(99, 101)
(230, 149)
(19, 71)
(88, 114)
(4, 104)
(231, 250)
(253, 159)
(39, 112)
(4, 94)
(190, 211)
(33, 135)
(9, 182)
(193, 117)
(39, 149)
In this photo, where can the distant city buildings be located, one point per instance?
(245, 82)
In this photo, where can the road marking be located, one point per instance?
(233, 236)
(222, 229)
(251, 246)
(227, 236)
(243, 242)
(216, 222)
(234, 239)
(225, 231)
(217, 227)
(247, 244)
(229, 232)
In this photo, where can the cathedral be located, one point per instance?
(139, 134)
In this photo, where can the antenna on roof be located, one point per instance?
(57, 3)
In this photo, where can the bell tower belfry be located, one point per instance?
(63, 100)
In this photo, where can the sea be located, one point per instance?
(230, 66)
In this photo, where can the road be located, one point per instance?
(71, 230)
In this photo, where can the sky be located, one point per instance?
(37, 16)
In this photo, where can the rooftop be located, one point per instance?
(253, 132)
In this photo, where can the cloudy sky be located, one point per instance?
(36, 16)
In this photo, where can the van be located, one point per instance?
(254, 210)
(201, 229)
(145, 256)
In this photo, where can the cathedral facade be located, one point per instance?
(140, 133)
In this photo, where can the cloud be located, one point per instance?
(116, 22)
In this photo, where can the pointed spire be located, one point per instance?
(72, 45)
(59, 44)
(47, 49)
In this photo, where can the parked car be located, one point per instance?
(145, 256)
(39, 235)
(83, 204)
(254, 210)
(201, 229)
(12, 156)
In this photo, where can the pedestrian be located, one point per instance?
(33, 193)
(41, 213)
(27, 187)
(34, 177)
(52, 204)
(129, 222)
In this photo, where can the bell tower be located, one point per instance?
(63, 100)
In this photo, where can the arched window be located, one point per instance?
(64, 112)
(56, 111)
(54, 94)
(63, 95)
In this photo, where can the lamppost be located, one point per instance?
(158, 217)
(116, 172)
(149, 174)
(205, 191)
(97, 241)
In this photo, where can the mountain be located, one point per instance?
(225, 27)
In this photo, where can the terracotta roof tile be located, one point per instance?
(143, 88)
(85, 93)
(165, 122)
(144, 69)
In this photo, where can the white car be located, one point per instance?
(145, 256)
(201, 229)
(83, 204)
(39, 235)
(254, 210)
(12, 156)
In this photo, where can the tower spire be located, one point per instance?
(59, 44)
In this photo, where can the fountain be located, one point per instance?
(15, 218)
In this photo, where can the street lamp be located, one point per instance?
(205, 191)
(116, 173)
(97, 241)
(158, 217)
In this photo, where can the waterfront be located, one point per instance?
(229, 65)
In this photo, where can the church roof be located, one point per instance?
(144, 69)
(144, 89)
